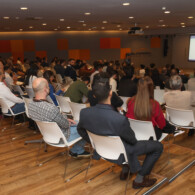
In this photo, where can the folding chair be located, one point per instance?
(30, 92)
(124, 106)
(76, 108)
(159, 96)
(18, 89)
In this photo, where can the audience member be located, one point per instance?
(70, 71)
(143, 107)
(111, 123)
(77, 90)
(98, 68)
(113, 82)
(31, 75)
(59, 67)
(41, 110)
(177, 98)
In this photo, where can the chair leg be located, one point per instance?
(66, 163)
(39, 153)
(13, 121)
(127, 182)
(90, 160)
(2, 123)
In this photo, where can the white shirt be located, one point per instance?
(8, 97)
(31, 79)
(92, 76)
(8, 79)
(113, 83)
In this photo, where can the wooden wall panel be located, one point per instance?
(29, 45)
(74, 53)
(17, 46)
(104, 43)
(5, 46)
(123, 52)
(84, 54)
(115, 43)
(41, 54)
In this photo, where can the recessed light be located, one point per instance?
(120, 29)
(20, 29)
(182, 23)
(24, 8)
(131, 17)
(6, 17)
(44, 24)
(84, 24)
(68, 27)
(82, 21)
(147, 26)
(183, 26)
(163, 8)
(87, 13)
(161, 20)
(61, 20)
(190, 17)
(102, 27)
(30, 26)
(163, 25)
(104, 22)
(118, 26)
(89, 28)
(167, 12)
(55, 29)
(126, 4)
(17, 18)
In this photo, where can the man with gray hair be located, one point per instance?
(41, 110)
(177, 98)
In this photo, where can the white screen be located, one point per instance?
(192, 48)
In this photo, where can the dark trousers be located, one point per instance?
(152, 150)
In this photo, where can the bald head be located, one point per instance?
(39, 85)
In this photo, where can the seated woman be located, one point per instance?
(31, 75)
(143, 107)
(49, 76)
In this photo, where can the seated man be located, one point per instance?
(177, 98)
(41, 110)
(101, 119)
(77, 90)
(15, 103)
(70, 70)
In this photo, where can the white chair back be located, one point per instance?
(59, 78)
(18, 89)
(51, 133)
(30, 92)
(124, 106)
(143, 129)
(4, 106)
(76, 108)
(63, 103)
(48, 98)
(159, 95)
(178, 117)
(108, 147)
(26, 103)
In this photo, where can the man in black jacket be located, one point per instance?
(103, 120)
(70, 71)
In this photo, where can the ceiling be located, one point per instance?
(146, 13)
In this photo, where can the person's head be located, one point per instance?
(175, 82)
(41, 88)
(142, 66)
(49, 76)
(129, 71)
(113, 73)
(85, 79)
(98, 67)
(63, 62)
(174, 72)
(2, 76)
(71, 61)
(7, 69)
(164, 70)
(101, 88)
(152, 65)
(145, 93)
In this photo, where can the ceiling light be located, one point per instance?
(147, 26)
(190, 17)
(183, 26)
(131, 17)
(82, 21)
(87, 13)
(161, 20)
(120, 29)
(24, 8)
(68, 27)
(89, 29)
(182, 23)
(17, 18)
(163, 8)
(102, 27)
(44, 24)
(126, 4)
(55, 29)
(167, 12)
(118, 26)
(6, 17)
(163, 25)
(61, 20)
(30, 26)
(20, 29)
(104, 22)
(84, 24)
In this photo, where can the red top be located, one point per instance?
(157, 119)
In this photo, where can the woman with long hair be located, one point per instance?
(143, 107)
(31, 75)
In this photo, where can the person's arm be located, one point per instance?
(82, 132)
(10, 96)
(83, 89)
(126, 133)
(159, 118)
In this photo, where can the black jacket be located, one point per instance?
(70, 72)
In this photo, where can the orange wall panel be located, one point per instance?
(74, 53)
(29, 45)
(123, 52)
(155, 42)
(62, 44)
(84, 54)
(104, 43)
(41, 54)
(17, 55)
(115, 43)
(5, 46)
(17, 46)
